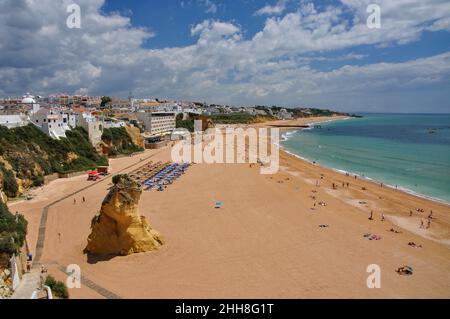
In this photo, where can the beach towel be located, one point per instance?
(372, 237)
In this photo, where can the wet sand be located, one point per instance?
(265, 242)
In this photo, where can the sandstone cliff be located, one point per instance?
(135, 135)
(119, 229)
(27, 155)
(121, 141)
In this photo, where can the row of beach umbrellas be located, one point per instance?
(166, 176)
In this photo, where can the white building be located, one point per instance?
(12, 121)
(93, 126)
(118, 105)
(29, 102)
(283, 114)
(52, 122)
(157, 123)
(113, 123)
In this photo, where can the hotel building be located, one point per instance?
(157, 123)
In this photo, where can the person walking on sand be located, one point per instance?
(429, 223)
(59, 237)
(382, 217)
(84, 200)
(410, 213)
(431, 215)
(421, 224)
(371, 215)
(74, 201)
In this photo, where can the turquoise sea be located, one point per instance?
(408, 150)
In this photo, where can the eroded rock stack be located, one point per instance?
(119, 229)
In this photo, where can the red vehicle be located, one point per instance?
(93, 176)
(103, 170)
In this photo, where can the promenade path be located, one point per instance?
(29, 283)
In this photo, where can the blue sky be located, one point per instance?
(241, 52)
(171, 21)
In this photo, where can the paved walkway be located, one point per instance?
(30, 282)
(41, 240)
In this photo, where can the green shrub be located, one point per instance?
(50, 281)
(13, 230)
(10, 186)
(59, 289)
(6, 245)
(38, 181)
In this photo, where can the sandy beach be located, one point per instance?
(265, 241)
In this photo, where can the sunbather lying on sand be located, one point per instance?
(405, 270)
(413, 244)
(372, 237)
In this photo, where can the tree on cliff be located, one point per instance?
(13, 230)
(105, 100)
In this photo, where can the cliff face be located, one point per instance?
(119, 229)
(121, 140)
(135, 135)
(27, 155)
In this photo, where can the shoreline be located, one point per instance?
(369, 179)
(344, 172)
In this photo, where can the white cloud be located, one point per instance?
(210, 6)
(39, 53)
(276, 9)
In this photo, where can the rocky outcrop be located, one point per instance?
(118, 141)
(5, 284)
(135, 135)
(119, 229)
